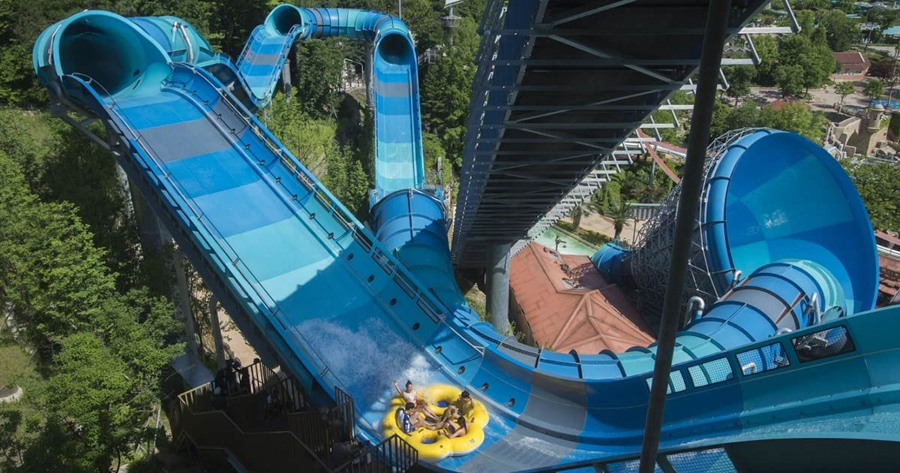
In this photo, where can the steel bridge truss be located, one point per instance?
(561, 88)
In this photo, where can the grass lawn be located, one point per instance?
(17, 368)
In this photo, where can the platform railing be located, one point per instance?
(392, 454)
(305, 437)
(194, 419)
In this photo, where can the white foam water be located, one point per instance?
(367, 360)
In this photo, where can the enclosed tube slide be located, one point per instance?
(339, 309)
(394, 76)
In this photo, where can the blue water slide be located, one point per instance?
(398, 125)
(772, 196)
(341, 309)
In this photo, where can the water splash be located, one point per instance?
(367, 359)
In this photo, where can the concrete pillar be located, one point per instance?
(217, 331)
(286, 78)
(150, 230)
(184, 303)
(125, 186)
(497, 279)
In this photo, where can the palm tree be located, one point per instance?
(619, 215)
(577, 213)
(587, 207)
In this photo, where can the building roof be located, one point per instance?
(887, 237)
(569, 306)
(892, 31)
(852, 59)
(888, 275)
(780, 103)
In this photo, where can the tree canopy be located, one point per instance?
(874, 89)
(844, 89)
(842, 32)
(879, 186)
(792, 116)
(740, 78)
(105, 349)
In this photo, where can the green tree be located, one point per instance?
(874, 89)
(807, 21)
(619, 215)
(446, 90)
(317, 75)
(51, 274)
(432, 149)
(347, 181)
(805, 62)
(767, 49)
(811, 4)
(424, 20)
(105, 350)
(789, 78)
(844, 6)
(820, 63)
(95, 390)
(879, 186)
(740, 78)
(577, 214)
(842, 32)
(843, 89)
(796, 117)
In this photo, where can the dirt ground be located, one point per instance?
(604, 226)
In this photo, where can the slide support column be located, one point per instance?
(151, 232)
(184, 303)
(286, 78)
(691, 183)
(217, 331)
(498, 286)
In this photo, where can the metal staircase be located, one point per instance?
(263, 423)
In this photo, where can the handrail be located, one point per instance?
(307, 180)
(285, 47)
(322, 429)
(394, 451)
(246, 48)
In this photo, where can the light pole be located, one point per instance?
(400, 9)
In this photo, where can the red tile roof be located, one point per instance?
(780, 103)
(568, 305)
(889, 275)
(854, 58)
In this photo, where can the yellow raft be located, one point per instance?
(430, 444)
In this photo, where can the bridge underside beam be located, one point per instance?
(561, 87)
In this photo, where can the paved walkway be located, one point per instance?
(821, 99)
